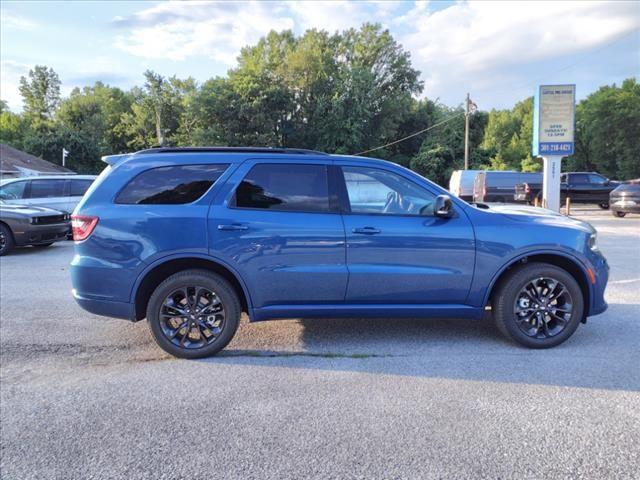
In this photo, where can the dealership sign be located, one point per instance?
(554, 120)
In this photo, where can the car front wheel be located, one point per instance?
(6, 240)
(193, 314)
(604, 206)
(619, 214)
(538, 305)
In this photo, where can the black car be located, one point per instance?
(580, 187)
(22, 225)
(625, 199)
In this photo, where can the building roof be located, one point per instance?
(14, 161)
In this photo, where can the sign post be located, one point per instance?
(553, 135)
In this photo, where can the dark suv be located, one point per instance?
(190, 238)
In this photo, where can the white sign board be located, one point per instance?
(554, 120)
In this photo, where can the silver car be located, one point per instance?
(61, 192)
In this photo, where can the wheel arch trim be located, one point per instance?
(554, 253)
(187, 256)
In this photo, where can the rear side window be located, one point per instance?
(79, 187)
(47, 188)
(291, 188)
(171, 185)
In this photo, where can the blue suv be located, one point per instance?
(189, 238)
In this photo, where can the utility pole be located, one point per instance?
(466, 132)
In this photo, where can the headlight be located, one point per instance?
(593, 242)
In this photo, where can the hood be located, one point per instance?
(28, 209)
(530, 214)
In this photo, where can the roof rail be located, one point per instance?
(298, 151)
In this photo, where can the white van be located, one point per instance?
(461, 183)
(61, 192)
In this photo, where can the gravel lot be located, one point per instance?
(87, 397)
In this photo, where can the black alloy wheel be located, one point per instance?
(543, 308)
(193, 314)
(537, 305)
(6, 240)
(192, 317)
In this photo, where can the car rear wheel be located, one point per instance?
(193, 314)
(6, 239)
(604, 206)
(619, 214)
(538, 305)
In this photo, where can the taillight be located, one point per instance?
(82, 226)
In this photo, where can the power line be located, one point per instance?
(413, 134)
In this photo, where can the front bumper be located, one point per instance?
(601, 273)
(39, 234)
(625, 204)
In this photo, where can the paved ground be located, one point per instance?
(87, 397)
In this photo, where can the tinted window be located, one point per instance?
(578, 179)
(47, 188)
(372, 190)
(597, 179)
(502, 179)
(171, 185)
(13, 191)
(79, 187)
(294, 188)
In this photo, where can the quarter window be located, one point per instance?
(375, 191)
(171, 185)
(79, 187)
(293, 188)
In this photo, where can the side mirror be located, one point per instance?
(443, 206)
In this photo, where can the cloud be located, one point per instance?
(177, 30)
(16, 22)
(11, 71)
(474, 43)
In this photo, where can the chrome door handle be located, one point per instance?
(232, 226)
(366, 230)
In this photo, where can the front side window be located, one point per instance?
(47, 188)
(292, 188)
(13, 191)
(171, 185)
(579, 179)
(597, 179)
(375, 191)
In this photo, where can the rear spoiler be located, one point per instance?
(114, 160)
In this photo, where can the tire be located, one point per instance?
(618, 214)
(604, 206)
(6, 239)
(43, 245)
(182, 345)
(509, 294)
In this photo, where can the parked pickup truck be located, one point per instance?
(580, 187)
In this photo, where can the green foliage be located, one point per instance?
(509, 135)
(608, 132)
(40, 93)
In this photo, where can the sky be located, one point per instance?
(497, 51)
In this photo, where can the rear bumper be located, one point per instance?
(106, 308)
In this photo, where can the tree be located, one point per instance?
(608, 131)
(40, 93)
(509, 135)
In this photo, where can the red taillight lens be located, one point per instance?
(82, 226)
